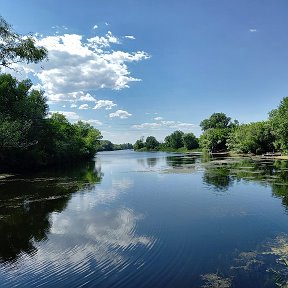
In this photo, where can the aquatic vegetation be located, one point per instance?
(215, 281)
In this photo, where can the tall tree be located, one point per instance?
(174, 140)
(16, 48)
(151, 143)
(279, 123)
(254, 138)
(190, 141)
(216, 120)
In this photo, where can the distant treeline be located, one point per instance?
(106, 145)
(222, 134)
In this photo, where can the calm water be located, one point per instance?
(146, 220)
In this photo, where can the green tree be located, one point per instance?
(151, 143)
(190, 141)
(106, 145)
(174, 140)
(254, 138)
(217, 120)
(16, 48)
(279, 124)
(22, 111)
(139, 144)
(214, 140)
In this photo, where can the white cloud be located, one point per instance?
(72, 116)
(165, 124)
(77, 65)
(94, 122)
(130, 37)
(147, 126)
(121, 114)
(183, 126)
(84, 107)
(95, 27)
(73, 96)
(107, 104)
(103, 41)
(158, 118)
(73, 106)
(168, 123)
(253, 30)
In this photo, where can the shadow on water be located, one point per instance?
(27, 202)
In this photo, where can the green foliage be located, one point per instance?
(28, 138)
(254, 138)
(279, 124)
(190, 141)
(174, 140)
(217, 120)
(139, 144)
(214, 140)
(123, 146)
(106, 145)
(17, 48)
(151, 143)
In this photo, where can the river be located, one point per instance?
(139, 219)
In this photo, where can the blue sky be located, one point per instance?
(139, 68)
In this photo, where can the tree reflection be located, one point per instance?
(180, 161)
(218, 177)
(26, 204)
(222, 173)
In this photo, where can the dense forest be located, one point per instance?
(221, 134)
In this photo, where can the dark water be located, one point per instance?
(147, 220)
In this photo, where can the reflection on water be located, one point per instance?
(147, 220)
(26, 204)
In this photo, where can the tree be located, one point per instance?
(16, 48)
(190, 141)
(217, 120)
(139, 144)
(22, 111)
(279, 124)
(174, 140)
(214, 140)
(151, 143)
(254, 138)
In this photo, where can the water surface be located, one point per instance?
(133, 219)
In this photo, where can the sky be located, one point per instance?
(135, 68)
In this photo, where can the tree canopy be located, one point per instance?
(216, 120)
(29, 138)
(16, 48)
(254, 138)
(279, 123)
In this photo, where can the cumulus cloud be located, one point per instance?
(72, 97)
(73, 106)
(72, 116)
(158, 118)
(120, 114)
(252, 30)
(107, 104)
(77, 65)
(95, 27)
(94, 122)
(83, 107)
